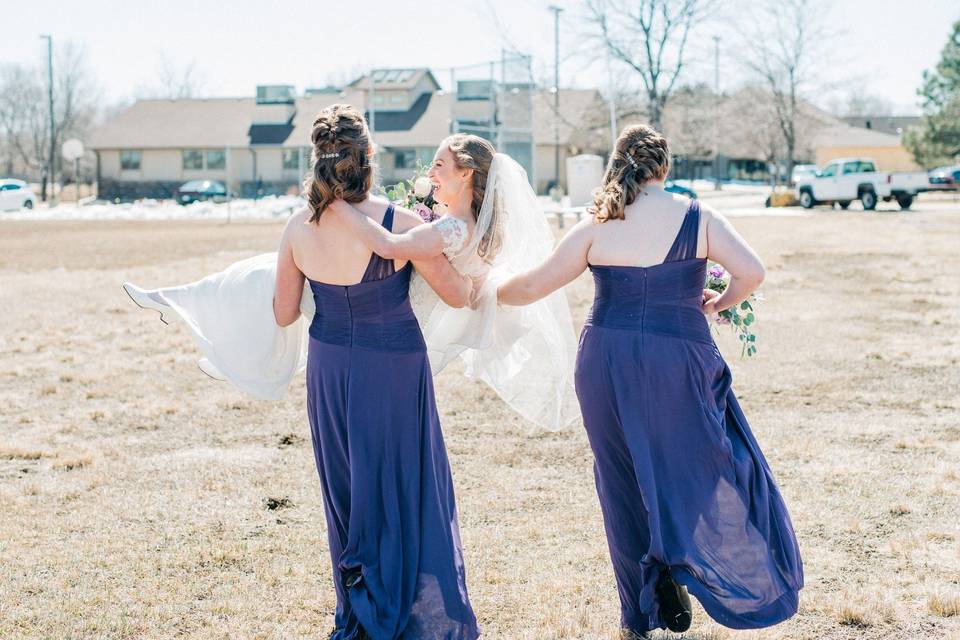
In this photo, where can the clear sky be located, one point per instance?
(882, 47)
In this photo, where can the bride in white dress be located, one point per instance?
(493, 227)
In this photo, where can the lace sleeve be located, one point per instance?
(454, 232)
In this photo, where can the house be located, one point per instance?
(844, 141)
(261, 144)
(886, 124)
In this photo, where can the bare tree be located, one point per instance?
(650, 37)
(779, 48)
(861, 105)
(24, 117)
(173, 82)
(24, 109)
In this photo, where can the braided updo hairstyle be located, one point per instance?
(473, 152)
(342, 166)
(641, 155)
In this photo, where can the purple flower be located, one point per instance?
(425, 212)
(716, 271)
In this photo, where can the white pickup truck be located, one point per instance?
(848, 179)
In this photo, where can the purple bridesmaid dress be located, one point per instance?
(387, 490)
(682, 482)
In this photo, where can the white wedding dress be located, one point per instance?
(526, 354)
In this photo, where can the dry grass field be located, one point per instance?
(141, 500)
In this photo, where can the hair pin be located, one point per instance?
(328, 155)
(631, 161)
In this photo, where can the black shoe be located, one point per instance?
(630, 634)
(675, 608)
(351, 577)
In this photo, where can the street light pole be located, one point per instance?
(556, 91)
(49, 40)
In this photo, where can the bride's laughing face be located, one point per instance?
(449, 181)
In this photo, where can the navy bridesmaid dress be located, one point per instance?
(387, 490)
(683, 485)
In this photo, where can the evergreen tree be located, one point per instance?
(937, 140)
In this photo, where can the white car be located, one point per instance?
(15, 194)
(848, 179)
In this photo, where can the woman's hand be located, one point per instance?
(477, 283)
(709, 302)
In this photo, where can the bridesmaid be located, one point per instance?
(688, 500)
(387, 490)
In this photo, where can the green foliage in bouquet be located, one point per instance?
(404, 192)
(740, 317)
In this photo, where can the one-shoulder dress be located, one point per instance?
(682, 482)
(387, 489)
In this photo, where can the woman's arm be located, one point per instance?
(567, 262)
(453, 288)
(289, 287)
(727, 247)
(422, 241)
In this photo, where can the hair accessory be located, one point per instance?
(328, 155)
(631, 161)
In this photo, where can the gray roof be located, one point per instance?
(843, 135)
(204, 123)
(886, 124)
(394, 79)
(186, 123)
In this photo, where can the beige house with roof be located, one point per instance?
(260, 145)
(845, 141)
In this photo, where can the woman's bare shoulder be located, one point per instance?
(298, 223)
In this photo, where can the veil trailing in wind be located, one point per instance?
(525, 354)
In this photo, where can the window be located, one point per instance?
(829, 171)
(405, 158)
(130, 160)
(9, 187)
(378, 99)
(216, 159)
(851, 167)
(193, 159)
(396, 98)
(291, 158)
(867, 167)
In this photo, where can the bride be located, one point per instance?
(493, 227)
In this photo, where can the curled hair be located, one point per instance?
(473, 152)
(641, 155)
(342, 167)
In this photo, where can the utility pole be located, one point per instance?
(716, 113)
(43, 195)
(556, 91)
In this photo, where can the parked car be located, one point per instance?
(945, 177)
(673, 187)
(848, 179)
(200, 190)
(16, 194)
(802, 172)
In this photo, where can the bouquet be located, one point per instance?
(741, 316)
(416, 194)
